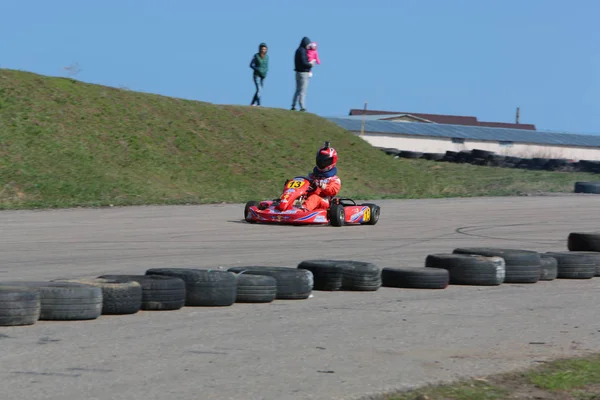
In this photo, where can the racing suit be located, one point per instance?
(328, 186)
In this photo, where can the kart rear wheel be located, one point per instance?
(374, 213)
(248, 205)
(337, 215)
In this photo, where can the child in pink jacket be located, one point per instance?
(313, 55)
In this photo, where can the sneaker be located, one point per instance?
(303, 109)
(293, 109)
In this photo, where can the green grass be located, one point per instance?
(567, 374)
(471, 390)
(66, 143)
(577, 378)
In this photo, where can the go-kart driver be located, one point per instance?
(327, 183)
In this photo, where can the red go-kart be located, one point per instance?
(286, 209)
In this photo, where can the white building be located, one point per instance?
(430, 137)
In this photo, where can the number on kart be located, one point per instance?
(367, 215)
(295, 184)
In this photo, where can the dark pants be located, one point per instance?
(258, 82)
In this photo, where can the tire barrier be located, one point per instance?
(170, 289)
(491, 159)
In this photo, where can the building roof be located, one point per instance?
(439, 118)
(469, 132)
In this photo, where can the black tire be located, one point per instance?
(65, 301)
(463, 156)
(549, 268)
(592, 254)
(327, 274)
(432, 156)
(446, 158)
(410, 154)
(415, 278)
(587, 187)
(513, 160)
(248, 205)
(478, 153)
(292, 283)
(159, 293)
(522, 266)
(390, 151)
(465, 269)
(117, 297)
(589, 166)
(19, 306)
(203, 287)
(374, 212)
(574, 266)
(360, 276)
(539, 162)
(523, 164)
(337, 215)
(557, 164)
(255, 288)
(584, 241)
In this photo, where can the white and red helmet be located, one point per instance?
(326, 158)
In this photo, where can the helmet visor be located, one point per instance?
(324, 161)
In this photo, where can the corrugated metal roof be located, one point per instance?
(469, 132)
(441, 119)
(374, 117)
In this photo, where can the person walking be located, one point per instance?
(260, 65)
(302, 67)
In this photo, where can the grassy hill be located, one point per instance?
(66, 143)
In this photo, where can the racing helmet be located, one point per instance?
(326, 158)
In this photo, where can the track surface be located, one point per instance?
(333, 346)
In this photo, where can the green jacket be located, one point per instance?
(260, 65)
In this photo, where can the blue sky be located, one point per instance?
(464, 57)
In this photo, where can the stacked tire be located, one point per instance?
(255, 288)
(291, 283)
(361, 276)
(587, 187)
(415, 278)
(64, 301)
(584, 241)
(466, 269)
(574, 266)
(159, 293)
(203, 287)
(522, 266)
(328, 275)
(19, 306)
(343, 274)
(117, 297)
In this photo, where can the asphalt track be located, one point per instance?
(336, 345)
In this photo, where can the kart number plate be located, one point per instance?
(367, 215)
(295, 184)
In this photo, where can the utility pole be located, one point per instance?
(362, 128)
(518, 114)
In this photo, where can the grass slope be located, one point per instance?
(66, 143)
(564, 379)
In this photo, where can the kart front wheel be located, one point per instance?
(248, 205)
(337, 215)
(374, 211)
